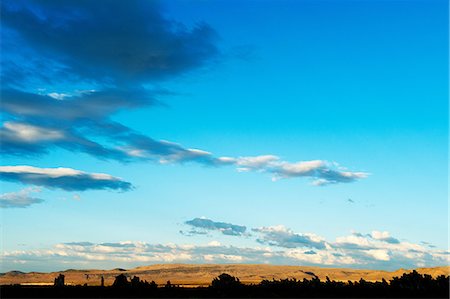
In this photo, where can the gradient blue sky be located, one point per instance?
(360, 83)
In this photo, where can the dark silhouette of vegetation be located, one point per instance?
(168, 285)
(225, 281)
(413, 285)
(121, 281)
(226, 285)
(59, 281)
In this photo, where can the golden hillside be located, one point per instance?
(195, 275)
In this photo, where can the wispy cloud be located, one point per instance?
(20, 199)
(202, 225)
(62, 178)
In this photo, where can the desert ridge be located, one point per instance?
(202, 274)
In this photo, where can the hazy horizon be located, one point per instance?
(307, 132)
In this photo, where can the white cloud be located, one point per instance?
(321, 172)
(373, 255)
(281, 236)
(379, 254)
(133, 151)
(32, 133)
(62, 178)
(380, 235)
(359, 241)
(181, 155)
(384, 236)
(58, 96)
(203, 225)
(259, 163)
(223, 258)
(129, 146)
(214, 243)
(50, 172)
(320, 257)
(301, 168)
(20, 199)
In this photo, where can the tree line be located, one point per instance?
(411, 284)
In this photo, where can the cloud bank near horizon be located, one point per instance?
(353, 251)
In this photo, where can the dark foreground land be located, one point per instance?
(411, 285)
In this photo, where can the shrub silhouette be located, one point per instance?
(121, 281)
(225, 280)
(59, 281)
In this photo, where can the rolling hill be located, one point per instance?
(201, 275)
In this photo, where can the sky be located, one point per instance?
(280, 132)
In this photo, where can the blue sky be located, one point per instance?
(283, 132)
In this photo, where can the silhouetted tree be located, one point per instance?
(121, 281)
(136, 282)
(59, 281)
(153, 285)
(225, 280)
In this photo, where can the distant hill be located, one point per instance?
(201, 275)
(13, 273)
